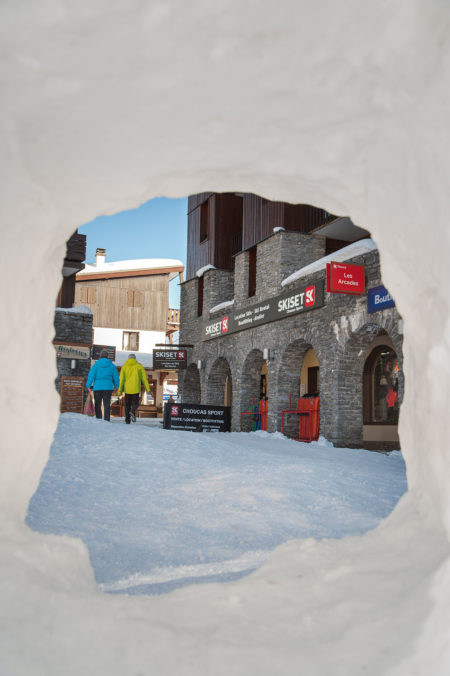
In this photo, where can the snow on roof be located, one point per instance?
(221, 306)
(135, 264)
(80, 309)
(350, 251)
(144, 358)
(202, 271)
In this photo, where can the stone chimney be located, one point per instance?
(100, 257)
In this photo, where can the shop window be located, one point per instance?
(130, 341)
(252, 272)
(204, 221)
(381, 372)
(200, 297)
(313, 380)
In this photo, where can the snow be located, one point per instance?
(355, 249)
(135, 264)
(82, 309)
(108, 106)
(201, 271)
(222, 306)
(158, 509)
(278, 229)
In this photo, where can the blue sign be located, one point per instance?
(379, 298)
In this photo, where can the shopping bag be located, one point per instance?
(89, 408)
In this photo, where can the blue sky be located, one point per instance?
(156, 229)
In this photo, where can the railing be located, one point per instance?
(173, 316)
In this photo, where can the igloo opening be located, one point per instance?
(108, 104)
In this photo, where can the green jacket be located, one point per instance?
(132, 376)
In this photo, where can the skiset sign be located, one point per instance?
(171, 360)
(279, 307)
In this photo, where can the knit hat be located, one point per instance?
(131, 356)
(103, 353)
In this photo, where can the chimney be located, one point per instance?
(100, 257)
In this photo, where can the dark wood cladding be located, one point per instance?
(238, 221)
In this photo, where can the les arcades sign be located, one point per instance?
(278, 307)
(169, 360)
(345, 278)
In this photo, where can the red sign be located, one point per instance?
(345, 278)
(225, 325)
(174, 410)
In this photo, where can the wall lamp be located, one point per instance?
(200, 364)
(73, 364)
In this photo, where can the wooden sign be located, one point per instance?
(72, 394)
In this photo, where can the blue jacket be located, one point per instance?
(103, 375)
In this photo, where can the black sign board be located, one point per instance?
(96, 349)
(197, 418)
(299, 300)
(169, 360)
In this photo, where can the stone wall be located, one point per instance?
(72, 327)
(340, 332)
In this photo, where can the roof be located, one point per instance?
(138, 267)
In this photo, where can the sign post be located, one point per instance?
(72, 394)
(111, 349)
(197, 418)
(169, 360)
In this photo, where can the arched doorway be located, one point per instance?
(381, 402)
(252, 382)
(309, 375)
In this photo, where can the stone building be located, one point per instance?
(265, 327)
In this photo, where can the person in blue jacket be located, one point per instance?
(104, 378)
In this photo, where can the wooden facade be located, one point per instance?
(222, 224)
(139, 303)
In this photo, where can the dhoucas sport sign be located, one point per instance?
(278, 307)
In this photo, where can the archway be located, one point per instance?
(298, 375)
(251, 383)
(355, 371)
(381, 403)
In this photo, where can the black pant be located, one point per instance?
(105, 396)
(132, 401)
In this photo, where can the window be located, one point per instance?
(252, 271)
(134, 298)
(130, 341)
(381, 371)
(204, 221)
(200, 297)
(88, 294)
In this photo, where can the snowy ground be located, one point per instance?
(161, 509)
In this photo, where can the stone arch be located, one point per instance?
(250, 379)
(289, 375)
(217, 381)
(351, 358)
(192, 391)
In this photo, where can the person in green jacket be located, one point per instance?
(132, 376)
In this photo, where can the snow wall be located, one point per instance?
(108, 104)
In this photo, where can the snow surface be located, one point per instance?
(201, 271)
(82, 309)
(355, 249)
(135, 264)
(158, 509)
(221, 306)
(107, 105)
